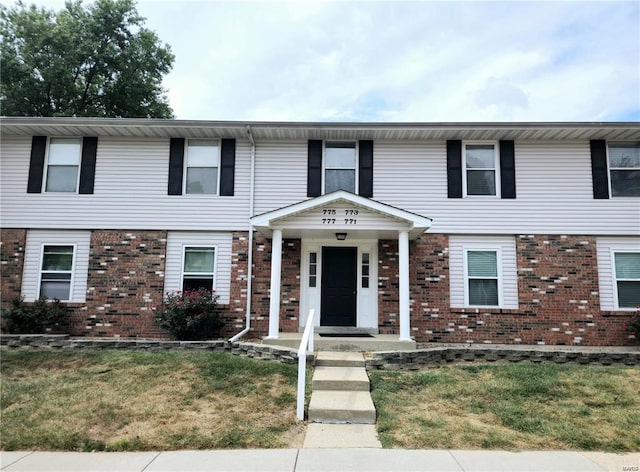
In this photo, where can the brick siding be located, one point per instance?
(558, 296)
(289, 286)
(558, 292)
(12, 246)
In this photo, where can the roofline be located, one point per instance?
(162, 122)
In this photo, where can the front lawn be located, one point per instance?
(510, 406)
(123, 400)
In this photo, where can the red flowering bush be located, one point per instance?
(191, 315)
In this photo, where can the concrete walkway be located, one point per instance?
(318, 460)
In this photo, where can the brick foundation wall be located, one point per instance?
(12, 246)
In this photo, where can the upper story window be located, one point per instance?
(481, 169)
(202, 163)
(624, 169)
(340, 165)
(63, 162)
(199, 268)
(482, 278)
(627, 279)
(56, 272)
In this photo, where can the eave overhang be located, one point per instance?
(262, 130)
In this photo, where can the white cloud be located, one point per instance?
(401, 61)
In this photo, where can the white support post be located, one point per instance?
(403, 268)
(276, 270)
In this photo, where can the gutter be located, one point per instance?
(250, 242)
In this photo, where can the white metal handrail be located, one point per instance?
(306, 345)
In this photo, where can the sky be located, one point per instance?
(397, 61)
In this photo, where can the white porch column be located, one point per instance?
(276, 269)
(403, 268)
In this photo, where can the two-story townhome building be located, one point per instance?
(437, 232)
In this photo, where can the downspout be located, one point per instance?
(250, 242)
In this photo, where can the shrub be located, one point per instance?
(38, 317)
(191, 315)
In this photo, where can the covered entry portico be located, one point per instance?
(339, 235)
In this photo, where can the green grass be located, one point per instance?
(510, 406)
(122, 401)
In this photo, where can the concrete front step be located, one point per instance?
(332, 406)
(379, 342)
(341, 435)
(340, 378)
(339, 359)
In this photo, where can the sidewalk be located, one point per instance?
(319, 460)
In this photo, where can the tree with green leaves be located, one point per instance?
(97, 60)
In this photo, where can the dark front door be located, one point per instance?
(338, 294)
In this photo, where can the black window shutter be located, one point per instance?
(454, 168)
(599, 171)
(365, 163)
(507, 170)
(314, 168)
(227, 167)
(176, 166)
(88, 164)
(36, 164)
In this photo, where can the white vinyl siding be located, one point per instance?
(553, 187)
(33, 261)
(342, 217)
(505, 249)
(177, 241)
(130, 192)
(607, 247)
(281, 174)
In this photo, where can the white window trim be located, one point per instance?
(73, 269)
(616, 304)
(357, 163)
(609, 168)
(46, 165)
(496, 165)
(215, 263)
(186, 167)
(498, 251)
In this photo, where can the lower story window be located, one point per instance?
(627, 279)
(55, 276)
(482, 278)
(199, 268)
